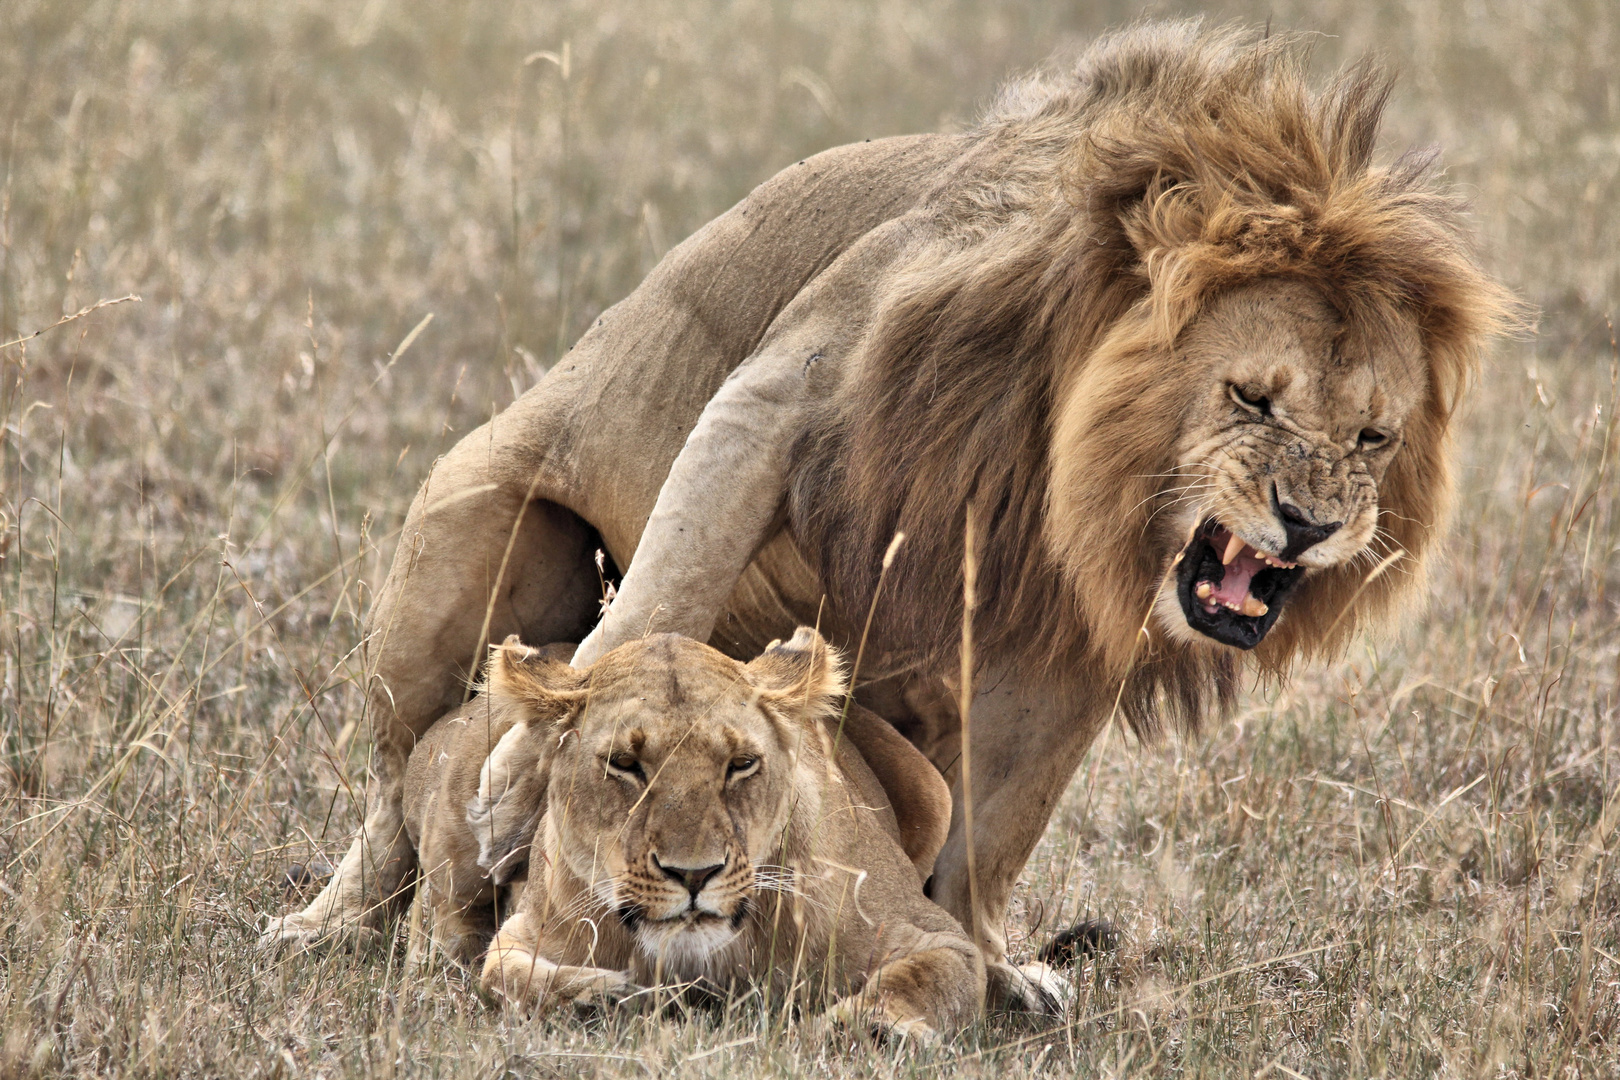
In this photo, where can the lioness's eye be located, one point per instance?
(741, 765)
(1252, 402)
(624, 762)
(1371, 438)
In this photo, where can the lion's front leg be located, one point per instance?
(1026, 746)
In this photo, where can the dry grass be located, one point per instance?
(1402, 864)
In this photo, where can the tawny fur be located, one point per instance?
(469, 824)
(812, 895)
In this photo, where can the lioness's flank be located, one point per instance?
(707, 819)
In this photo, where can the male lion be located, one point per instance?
(1158, 332)
(708, 820)
(476, 784)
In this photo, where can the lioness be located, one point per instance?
(1160, 333)
(475, 785)
(703, 819)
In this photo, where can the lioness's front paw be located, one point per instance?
(519, 979)
(879, 1020)
(1036, 988)
(593, 989)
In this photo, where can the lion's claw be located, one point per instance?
(294, 933)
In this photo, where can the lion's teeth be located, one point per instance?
(1254, 608)
(1204, 590)
(1234, 547)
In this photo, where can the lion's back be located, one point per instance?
(613, 413)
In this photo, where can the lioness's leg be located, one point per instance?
(445, 599)
(1025, 749)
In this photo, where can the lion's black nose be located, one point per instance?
(693, 877)
(1303, 533)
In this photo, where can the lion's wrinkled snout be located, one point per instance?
(1302, 531)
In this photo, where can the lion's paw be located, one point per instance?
(298, 933)
(1034, 988)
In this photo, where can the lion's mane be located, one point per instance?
(1025, 365)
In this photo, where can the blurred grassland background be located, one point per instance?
(1401, 864)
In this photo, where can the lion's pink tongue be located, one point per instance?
(1234, 586)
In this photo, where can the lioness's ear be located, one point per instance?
(803, 676)
(535, 680)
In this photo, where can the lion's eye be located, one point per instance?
(1257, 403)
(625, 763)
(742, 765)
(1371, 438)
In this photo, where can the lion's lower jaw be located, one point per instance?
(680, 952)
(1171, 623)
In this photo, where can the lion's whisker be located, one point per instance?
(1179, 492)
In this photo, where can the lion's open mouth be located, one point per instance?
(1229, 590)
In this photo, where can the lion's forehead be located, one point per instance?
(1331, 370)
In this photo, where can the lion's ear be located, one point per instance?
(803, 676)
(536, 681)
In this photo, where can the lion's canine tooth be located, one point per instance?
(1203, 590)
(1254, 608)
(1234, 547)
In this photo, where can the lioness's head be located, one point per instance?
(673, 773)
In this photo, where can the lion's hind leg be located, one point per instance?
(478, 559)
(373, 879)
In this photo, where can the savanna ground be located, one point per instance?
(1404, 863)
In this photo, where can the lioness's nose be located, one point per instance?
(1302, 532)
(693, 877)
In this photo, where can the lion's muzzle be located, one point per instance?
(676, 897)
(691, 878)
